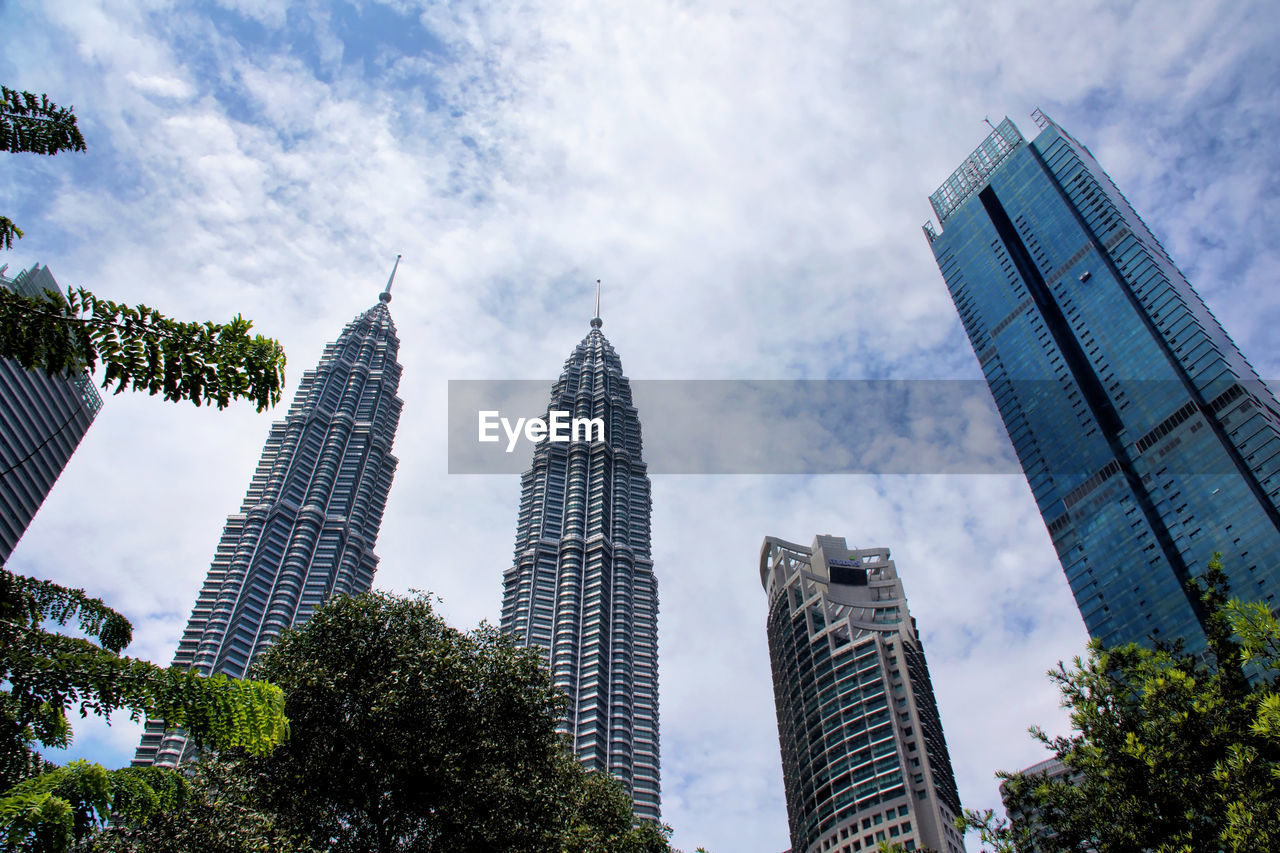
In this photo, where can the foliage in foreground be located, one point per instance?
(35, 124)
(140, 349)
(411, 735)
(216, 814)
(1169, 754)
(407, 735)
(44, 674)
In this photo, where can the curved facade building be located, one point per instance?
(864, 759)
(581, 587)
(310, 518)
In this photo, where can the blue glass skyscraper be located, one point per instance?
(310, 517)
(1148, 440)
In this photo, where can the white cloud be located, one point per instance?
(161, 87)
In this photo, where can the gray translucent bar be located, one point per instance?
(761, 427)
(853, 426)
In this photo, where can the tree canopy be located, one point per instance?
(215, 812)
(406, 735)
(410, 735)
(1169, 753)
(45, 673)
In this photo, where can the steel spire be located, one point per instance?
(385, 296)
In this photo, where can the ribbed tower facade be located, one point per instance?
(42, 419)
(310, 518)
(864, 759)
(581, 587)
(1145, 435)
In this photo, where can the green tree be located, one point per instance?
(45, 673)
(216, 813)
(139, 348)
(410, 735)
(51, 811)
(1169, 753)
(601, 818)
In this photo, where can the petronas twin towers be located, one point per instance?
(581, 587)
(309, 520)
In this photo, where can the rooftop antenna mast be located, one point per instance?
(385, 296)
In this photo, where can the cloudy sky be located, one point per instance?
(749, 180)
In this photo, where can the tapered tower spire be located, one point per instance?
(596, 322)
(309, 521)
(581, 586)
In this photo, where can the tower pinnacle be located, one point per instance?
(385, 296)
(315, 503)
(596, 322)
(597, 635)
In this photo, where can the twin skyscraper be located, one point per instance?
(1148, 441)
(310, 518)
(581, 587)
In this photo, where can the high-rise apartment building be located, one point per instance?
(310, 518)
(864, 759)
(1146, 437)
(581, 586)
(1030, 821)
(42, 419)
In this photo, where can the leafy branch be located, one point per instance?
(34, 124)
(46, 669)
(30, 601)
(55, 809)
(8, 230)
(141, 349)
(44, 674)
